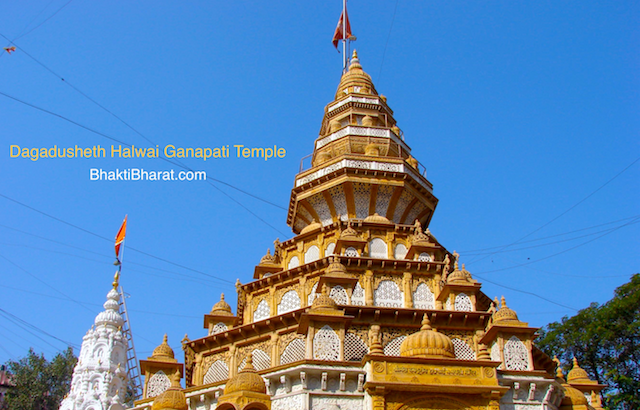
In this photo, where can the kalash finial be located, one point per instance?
(116, 280)
(426, 323)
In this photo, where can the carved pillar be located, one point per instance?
(309, 353)
(248, 310)
(473, 301)
(233, 361)
(198, 376)
(406, 288)
(303, 291)
(368, 288)
(529, 353)
(275, 357)
(273, 303)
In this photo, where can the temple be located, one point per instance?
(100, 379)
(363, 309)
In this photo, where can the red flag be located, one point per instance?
(338, 35)
(120, 236)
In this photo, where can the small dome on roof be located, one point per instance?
(578, 374)
(505, 313)
(247, 380)
(222, 307)
(336, 268)
(173, 398)
(313, 225)
(324, 301)
(573, 396)
(163, 351)
(355, 77)
(377, 218)
(427, 343)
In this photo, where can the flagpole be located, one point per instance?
(344, 36)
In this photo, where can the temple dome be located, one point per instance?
(221, 308)
(505, 313)
(336, 268)
(172, 399)
(110, 315)
(247, 380)
(573, 397)
(311, 227)
(355, 77)
(377, 218)
(427, 343)
(163, 351)
(324, 301)
(578, 374)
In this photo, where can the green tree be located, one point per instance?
(40, 384)
(606, 341)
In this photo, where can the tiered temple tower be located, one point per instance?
(100, 378)
(364, 309)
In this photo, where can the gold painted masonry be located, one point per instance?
(169, 151)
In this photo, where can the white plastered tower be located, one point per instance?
(100, 378)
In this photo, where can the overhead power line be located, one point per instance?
(111, 240)
(561, 214)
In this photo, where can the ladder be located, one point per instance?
(133, 371)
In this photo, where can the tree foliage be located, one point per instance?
(40, 384)
(606, 341)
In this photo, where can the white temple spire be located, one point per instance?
(100, 378)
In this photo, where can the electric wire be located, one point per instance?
(44, 21)
(179, 163)
(45, 283)
(111, 240)
(561, 214)
(129, 262)
(26, 325)
(561, 252)
(384, 52)
(550, 236)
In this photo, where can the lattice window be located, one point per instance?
(293, 352)
(516, 355)
(312, 254)
(158, 383)
(383, 198)
(415, 211)
(322, 209)
(400, 251)
(362, 197)
(218, 371)
(326, 344)
(393, 347)
(261, 360)
(463, 303)
(354, 348)
(401, 205)
(219, 327)
(462, 350)
(495, 353)
(378, 249)
(351, 251)
(330, 249)
(339, 202)
(262, 311)
(293, 263)
(312, 294)
(423, 297)
(357, 297)
(339, 295)
(424, 257)
(290, 301)
(387, 294)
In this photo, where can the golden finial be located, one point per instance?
(456, 256)
(222, 297)
(504, 303)
(116, 279)
(426, 323)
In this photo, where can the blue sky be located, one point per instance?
(525, 115)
